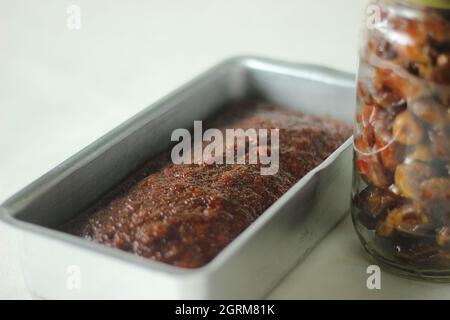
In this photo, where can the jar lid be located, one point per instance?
(438, 4)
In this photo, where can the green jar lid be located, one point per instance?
(438, 4)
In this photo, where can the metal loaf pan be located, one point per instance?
(59, 265)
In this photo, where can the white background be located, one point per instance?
(62, 89)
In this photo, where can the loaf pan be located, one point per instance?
(59, 265)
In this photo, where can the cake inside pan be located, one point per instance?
(185, 214)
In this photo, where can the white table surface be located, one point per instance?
(61, 89)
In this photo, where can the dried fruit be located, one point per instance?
(363, 94)
(443, 237)
(440, 144)
(372, 171)
(380, 95)
(375, 201)
(373, 204)
(438, 28)
(364, 129)
(369, 165)
(388, 80)
(406, 130)
(441, 72)
(412, 32)
(421, 152)
(436, 188)
(404, 94)
(391, 152)
(408, 219)
(436, 194)
(429, 110)
(409, 176)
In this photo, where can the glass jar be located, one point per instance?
(401, 184)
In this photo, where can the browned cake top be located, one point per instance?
(186, 214)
